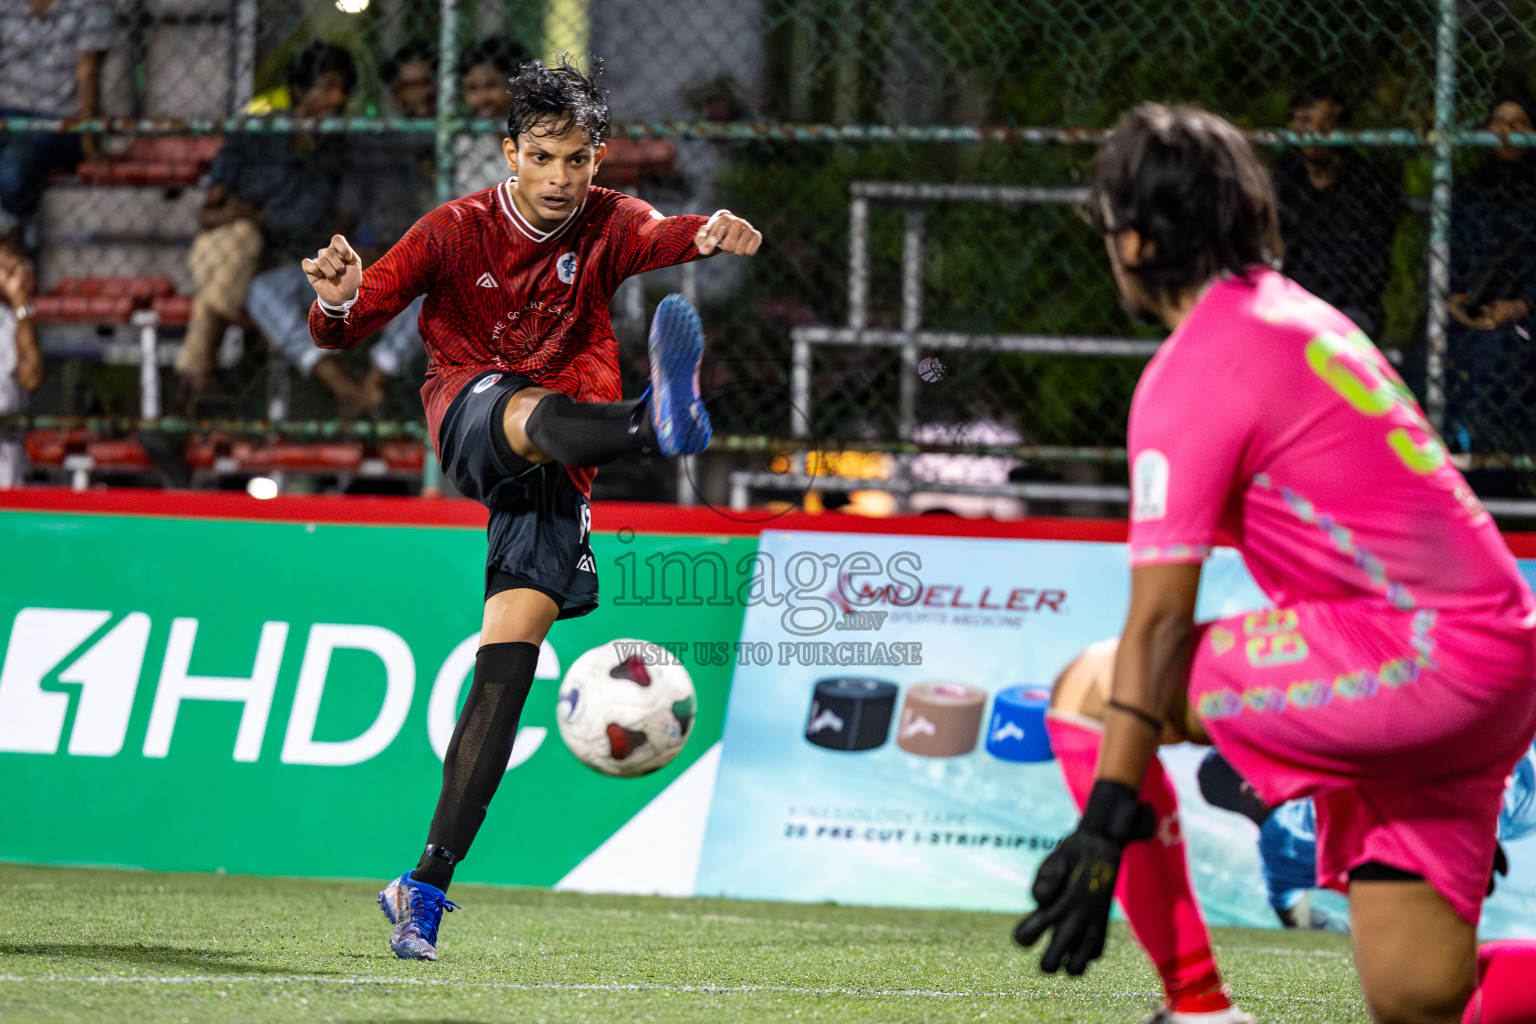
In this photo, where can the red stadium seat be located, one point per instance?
(187, 149)
(81, 286)
(402, 456)
(117, 172)
(83, 307)
(206, 452)
(123, 453)
(110, 299)
(306, 457)
(49, 447)
(173, 310)
(168, 160)
(218, 452)
(140, 289)
(147, 289)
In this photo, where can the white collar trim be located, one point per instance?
(520, 223)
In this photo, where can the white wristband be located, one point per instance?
(337, 312)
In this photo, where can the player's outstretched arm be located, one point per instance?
(1075, 885)
(726, 232)
(335, 273)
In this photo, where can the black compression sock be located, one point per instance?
(588, 433)
(477, 755)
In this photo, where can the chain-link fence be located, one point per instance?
(926, 289)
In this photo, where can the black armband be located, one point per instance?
(1131, 709)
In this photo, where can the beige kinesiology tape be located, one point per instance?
(941, 719)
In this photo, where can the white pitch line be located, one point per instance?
(556, 986)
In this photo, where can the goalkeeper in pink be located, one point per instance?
(1394, 678)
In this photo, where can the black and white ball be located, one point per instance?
(626, 708)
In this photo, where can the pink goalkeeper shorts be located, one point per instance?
(1402, 725)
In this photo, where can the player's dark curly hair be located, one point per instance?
(554, 100)
(1188, 182)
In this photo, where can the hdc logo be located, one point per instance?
(109, 669)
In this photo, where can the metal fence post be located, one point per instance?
(447, 92)
(912, 270)
(1439, 284)
(244, 69)
(858, 262)
(800, 388)
(149, 363)
(911, 319)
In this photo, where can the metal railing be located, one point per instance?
(821, 114)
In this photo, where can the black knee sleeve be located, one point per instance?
(589, 433)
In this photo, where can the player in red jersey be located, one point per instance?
(523, 400)
(1393, 677)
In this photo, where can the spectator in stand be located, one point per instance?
(390, 182)
(21, 364)
(479, 161)
(1337, 212)
(269, 193)
(50, 66)
(1490, 383)
(411, 75)
(391, 176)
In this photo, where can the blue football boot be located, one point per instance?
(415, 909)
(676, 346)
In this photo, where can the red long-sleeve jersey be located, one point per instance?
(502, 295)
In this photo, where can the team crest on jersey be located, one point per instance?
(1149, 486)
(484, 384)
(565, 267)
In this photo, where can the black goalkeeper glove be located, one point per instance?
(1075, 885)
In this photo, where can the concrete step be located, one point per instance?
(78, 211)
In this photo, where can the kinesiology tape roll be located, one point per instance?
(1016, 730)
(941, 719)
(851, 713)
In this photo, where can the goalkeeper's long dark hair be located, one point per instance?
(1188, 182)
(552, 101)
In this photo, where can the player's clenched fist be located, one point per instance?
(726, 232)
(335, 273)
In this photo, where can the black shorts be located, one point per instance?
(540, 529)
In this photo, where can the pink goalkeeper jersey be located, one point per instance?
(1268, 416)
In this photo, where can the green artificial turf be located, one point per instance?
(98, 945)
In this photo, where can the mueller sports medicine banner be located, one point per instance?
(204, 694)
(852, 775)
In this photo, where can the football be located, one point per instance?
(626, 707)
